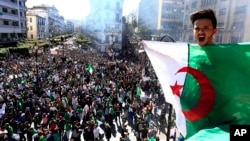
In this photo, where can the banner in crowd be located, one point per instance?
(208, 86)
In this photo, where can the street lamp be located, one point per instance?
(62, 42)
(36, 50)
(111, 41)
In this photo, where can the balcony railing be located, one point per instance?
(23, 8)
(9, 16)
(114, 31)
(9, 3)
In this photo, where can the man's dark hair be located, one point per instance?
(204, 14)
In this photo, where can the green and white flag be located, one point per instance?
(90, 68)
(208, 86)
(138, 91)
(65, 102)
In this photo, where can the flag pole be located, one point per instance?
(168, 38)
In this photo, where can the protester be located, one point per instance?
(81, 96)
(204, 25)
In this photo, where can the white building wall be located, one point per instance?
(105, 21)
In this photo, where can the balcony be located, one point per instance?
(114, 31)
(22, 18)
(9, 16)
(9, 3)
(9, 29)
(24, 29)
(23, 8)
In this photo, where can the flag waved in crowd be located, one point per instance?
(208, 86)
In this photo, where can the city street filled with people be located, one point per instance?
(77, 94)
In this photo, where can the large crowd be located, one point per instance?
(82, 96)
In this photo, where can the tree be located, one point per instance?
(144, 32)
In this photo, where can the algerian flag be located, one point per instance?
(208, 86)
(151, 139)
(65, 102)
(90, 69)
(21, 81)
(138, 91)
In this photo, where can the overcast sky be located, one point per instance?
(78, 9)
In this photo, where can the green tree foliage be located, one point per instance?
(144, 32)
(81, 39)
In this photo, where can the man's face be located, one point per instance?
(204, 31)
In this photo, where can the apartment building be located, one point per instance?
(104, 23)
(36, 27)
(69, 27)
(162, 17)
(54, 23)
(232, 17)
(12, 20)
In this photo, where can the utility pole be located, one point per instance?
(112, 43)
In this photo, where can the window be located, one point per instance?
(222, 12)
(14, 1)
(31, 20)
(117, 5)
(117, 17)
(15, 23)
(240, 9)
(14, 12)
(5, 22)
(22, 25)
(205, 3)
(116, 26)
(21, 14)
(194, 4)
(4, 35)
(202, 3)
(30, 27)
(31, 36)
(220, 24)
(107, 26)
(235, 39)
(190, 38)
(218, 39)
(237, 25)
(5, 10)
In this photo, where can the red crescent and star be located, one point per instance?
(207, 95)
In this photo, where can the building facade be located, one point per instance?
(36, 26)
(232, 19)
(162, 17)
(104, 23)
(69, 27)
(12, 20)
(54, 23)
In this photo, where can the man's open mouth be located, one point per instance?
(201, 38)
